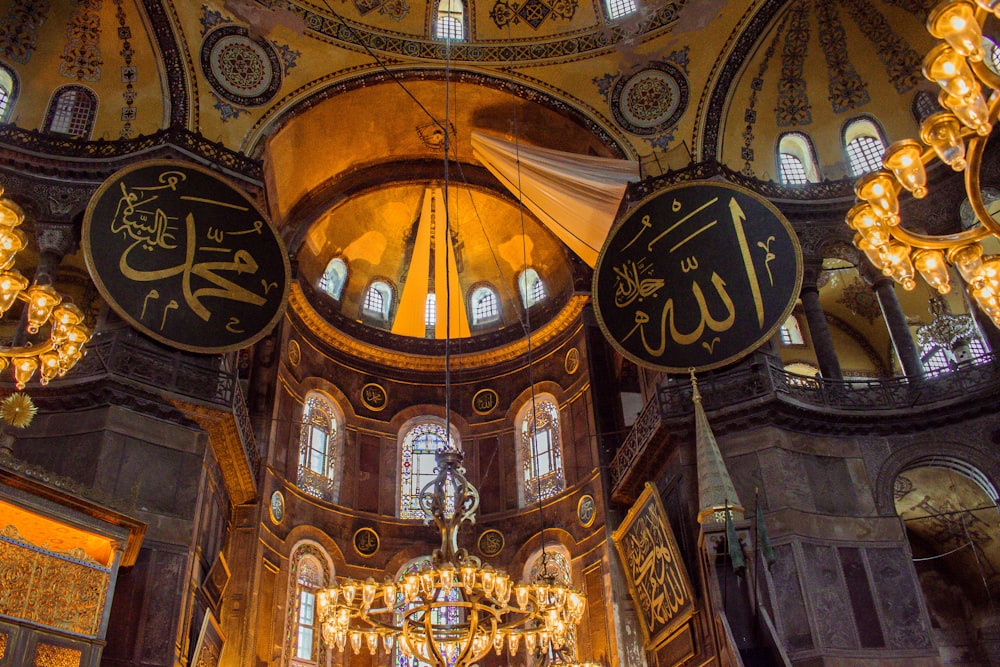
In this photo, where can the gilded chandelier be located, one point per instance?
(457, 610)
(957, 137)
(67, 334)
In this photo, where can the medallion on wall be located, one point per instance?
(484, 401)
(294, 353)
(491, 543)
(277, 509)
(697, 275)
(242, 70)
(586, 511)
(373, 396)
(185, 257)
(572, 361)
(366, 542)
(651, 100)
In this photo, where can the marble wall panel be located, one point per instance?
(897, 592)
(789, 603)
(822, 578)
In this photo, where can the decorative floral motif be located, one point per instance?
(532, 12)
(239, 69)
(81, 58)
(128, 71)
(19, 29)
(750, 114)
(394, 9)
(793, 102)
(227, 110)
(901, 62)
(921, 8)
(847, 90)
(860, 300)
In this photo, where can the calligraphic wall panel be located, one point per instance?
(594, 641)
(368, 469)
(656, 574)
(490, 499)
(50, 655)
(865, 612)
(832, 611)
(58, 590)
(789, 603)
(896, 588)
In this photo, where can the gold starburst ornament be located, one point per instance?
(18, 410)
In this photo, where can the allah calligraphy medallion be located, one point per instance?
(185, 257)
(696, 276)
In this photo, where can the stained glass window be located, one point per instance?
(72, 111)
(417, 465)
(440, 616)
(307, 574)
(319, 447)
(541, 451)
(8, 91)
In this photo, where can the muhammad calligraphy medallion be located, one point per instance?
(185, 257)
(696, 276)
(374, 397)
(366, 542)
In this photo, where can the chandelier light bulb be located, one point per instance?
(931, 265)
(11, 214)
(903, 159)
(942, 132)
(990, 6)
(955, 22)
(24, 369)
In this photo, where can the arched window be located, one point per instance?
(420, 440)
(864, 144)
(309, 571)
(72, 111)
(791, 332)
(619, 8)
(924, 104)
(8, 92)
(320, 446)
(439, 616)
(484, 305)
(796, 159)
(532, 288)
(334, 278)
(430, 313)
(449, 21)
(378, 301)
(992, 59)
(540, 450)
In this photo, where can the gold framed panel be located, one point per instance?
(657, 578)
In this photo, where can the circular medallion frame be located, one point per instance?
(276, 509)
(634, 287)
(491, 543)
(366, 542)
(571, 364)
(586, 510)
(294, 353)
(638, 104)
(485, 401)
(178, 287)
(374, 396)
(240, 69)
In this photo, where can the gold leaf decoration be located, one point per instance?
(18, 410)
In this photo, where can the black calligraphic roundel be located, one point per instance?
(185, 257)
(696, 276)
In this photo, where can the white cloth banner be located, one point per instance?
(575, 196)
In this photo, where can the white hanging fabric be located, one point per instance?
(575, 196)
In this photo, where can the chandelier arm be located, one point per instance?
(972, 182)
(943, 241)
(23, 350)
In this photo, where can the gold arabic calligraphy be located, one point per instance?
(655, 571)
(141, 218)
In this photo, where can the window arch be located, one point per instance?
(532, 288)
(620, 8)
(924, 104)
(72, 111)
(449, 20)
(420, 439)
(796, 159)
(334, 278)
(377, 303)
(8, 92)
(864, 143)
(484, 304)
(791, 332)
(309, 571)
(539, 450)
(320, 446)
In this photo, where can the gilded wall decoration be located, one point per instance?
(859, 298)
(374, 396)
(571, 364)
(50, 655)
(793, 101)
(902, 63)
(586, 510)
(750, 113)
(650, 99)
(847, 90)
(485, 401)
(208, 650)
(491, 543)
(81, 58)
(653, 567)
(394, 9)
(366, 542)
(3, 644)
(19, 29)
(531, 12)
(574, 46)
(65, 591)
(128, 113)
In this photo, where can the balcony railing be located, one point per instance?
(764, 380)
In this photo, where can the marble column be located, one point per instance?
(819, 330)
(899, 330)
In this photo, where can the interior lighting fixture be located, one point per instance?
(44, 306)
(956, 137)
